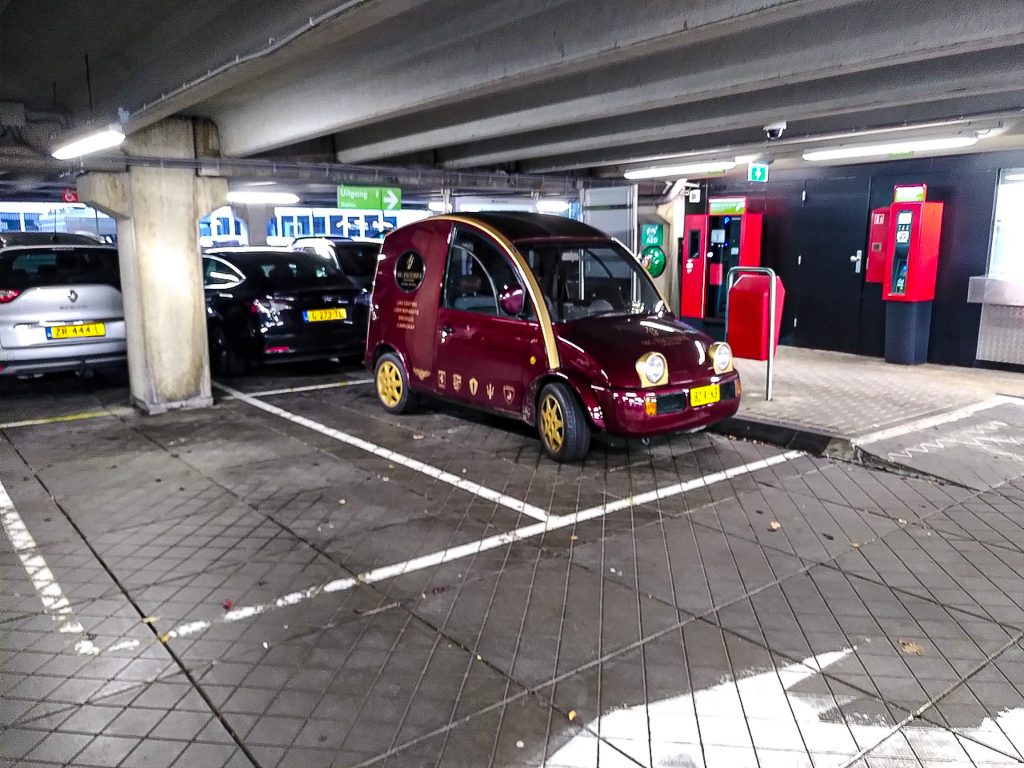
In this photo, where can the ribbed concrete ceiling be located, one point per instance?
(535, 85)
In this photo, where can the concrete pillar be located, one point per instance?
(256, 218)
(673, 212)
(157, 212)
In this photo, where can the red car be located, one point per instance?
(543, 319)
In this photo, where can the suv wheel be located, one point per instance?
(224, 359)
(562, 425)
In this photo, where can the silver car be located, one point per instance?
(60, 309)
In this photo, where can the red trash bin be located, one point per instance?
(747, 331)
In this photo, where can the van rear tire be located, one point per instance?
(391, 381)
(562, 425)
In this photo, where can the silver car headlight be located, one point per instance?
(653, 369)
(721, 357)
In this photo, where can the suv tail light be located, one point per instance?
(7, 295)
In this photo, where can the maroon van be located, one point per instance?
(543, 319)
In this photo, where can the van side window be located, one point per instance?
(219, 274)
(478, 272)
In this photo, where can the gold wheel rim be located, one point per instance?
(552, 423)
(389, 384)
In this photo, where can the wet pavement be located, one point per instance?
(295, 578)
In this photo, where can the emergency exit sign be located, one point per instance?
(652, 234)
(369, 198)
(757, 172)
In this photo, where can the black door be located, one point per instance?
(831, 232)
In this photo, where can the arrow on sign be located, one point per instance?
(391, 200)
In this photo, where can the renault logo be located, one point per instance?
(73, 296)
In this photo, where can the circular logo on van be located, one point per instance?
(409, 271)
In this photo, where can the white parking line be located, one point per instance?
(308, 388)
(472, 548)
(50, 594)
(939, 419)
(386, 453)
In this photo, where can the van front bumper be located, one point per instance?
(630, 413)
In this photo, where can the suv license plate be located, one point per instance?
(84, 331)
(705, 395)
(323, 315)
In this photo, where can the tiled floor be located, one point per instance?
(230, 587)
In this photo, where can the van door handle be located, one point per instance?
(446, 331)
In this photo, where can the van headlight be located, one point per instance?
(721, 357)
(653, 369)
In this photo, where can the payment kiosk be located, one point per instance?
(726, 236)
(911, 266)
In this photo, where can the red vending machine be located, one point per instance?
(878, 240)
(911, 266)
(726, 236)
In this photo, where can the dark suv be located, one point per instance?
(268, 305)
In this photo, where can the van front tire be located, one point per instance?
(392, 383)
(562, 425)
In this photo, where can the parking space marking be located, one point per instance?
(472, 548)
(64, 419)
(55, 603)
(959, 414)
(386, 453)
(308, 388)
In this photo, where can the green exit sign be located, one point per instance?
(757, 172)
(369, 198)
(652, 234)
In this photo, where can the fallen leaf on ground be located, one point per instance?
(901, 521)
(520, 744)
(572, 715)
(855, 545)
(574, 537)
(912, 647)
(227, 605)
(774, 525)
(418, 437)
(150, 619)
(341, 501)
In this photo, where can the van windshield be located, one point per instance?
(25, 268)
(588, 280)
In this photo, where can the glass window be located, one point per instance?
(478, 273)
(305, 228)
(1006, 261)
(289, 271)
(45, 267)
(219, 274)
(589, 280)
(288, 226)
(10, 222)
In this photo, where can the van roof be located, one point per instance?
(520, 227)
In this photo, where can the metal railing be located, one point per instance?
(730, 280)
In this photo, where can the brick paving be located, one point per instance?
(849, 396)
(230, 598)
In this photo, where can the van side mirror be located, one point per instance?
(512, 301)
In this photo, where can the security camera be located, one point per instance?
(775, 130)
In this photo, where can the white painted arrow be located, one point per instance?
(391, 200)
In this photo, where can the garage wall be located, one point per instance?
(823, 213)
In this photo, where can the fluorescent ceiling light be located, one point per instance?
(437, 206)
(105, 138)
(552, 206)
(1014, 177)
(251, 197)
(746, 158)
(890, 148)
(672, 171)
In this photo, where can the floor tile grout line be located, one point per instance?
(935, 700)
(142, 615)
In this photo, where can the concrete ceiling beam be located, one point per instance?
(991, 72)
(469, 53)
(844, 40)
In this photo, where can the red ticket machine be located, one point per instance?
(911, 266)
(726, 236)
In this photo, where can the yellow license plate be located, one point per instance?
(705, 395)
(84, 331)
(324, 315)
